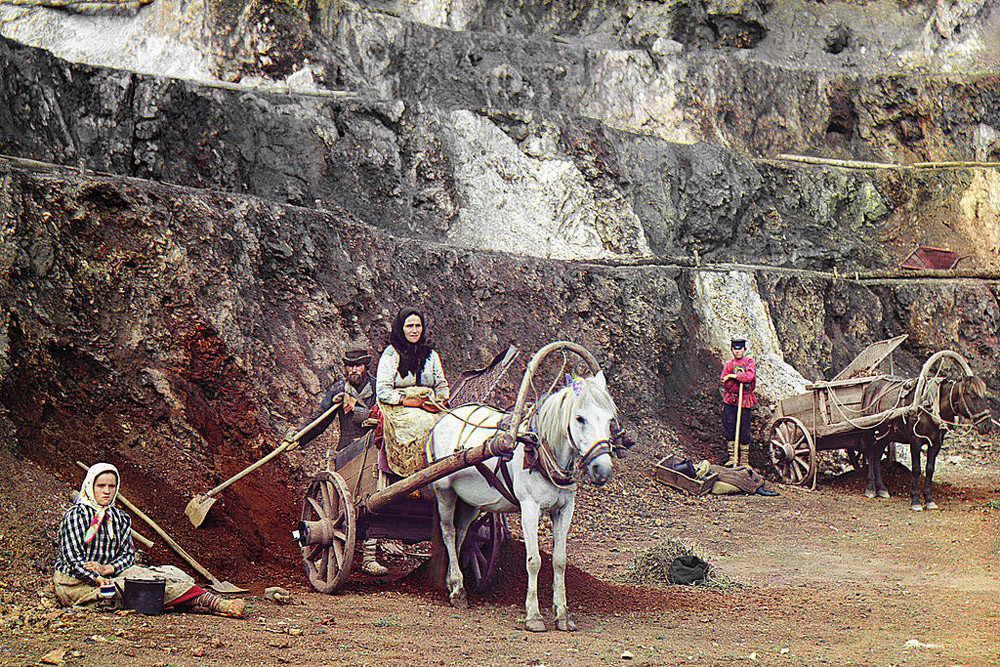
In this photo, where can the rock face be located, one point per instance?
(543, 185)
(181, 332)
(180, 309)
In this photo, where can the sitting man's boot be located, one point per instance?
(368, 563)
(766, 492)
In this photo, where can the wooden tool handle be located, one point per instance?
(277, 450)
(162, 533)
(739, 416)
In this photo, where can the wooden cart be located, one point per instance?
(830, 416)
(347, 504)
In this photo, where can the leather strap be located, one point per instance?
(506, 490)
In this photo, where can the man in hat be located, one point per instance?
(357, 390)
(739, 379)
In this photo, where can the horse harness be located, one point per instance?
(932, 407)
(538, 457)
(976, 418)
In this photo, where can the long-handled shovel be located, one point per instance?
(214, 583)
(736, 440)
(197, 509)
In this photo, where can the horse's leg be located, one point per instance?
(868, 448)
(465, 514)
(447, 499)
(932, 454)
(915, 483)
(560, 530)
(878, 452)
(530, 516)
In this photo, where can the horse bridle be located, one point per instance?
(976, 418)
(598, 449)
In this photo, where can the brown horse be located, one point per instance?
(952, 399)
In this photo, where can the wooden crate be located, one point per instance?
(678, 480)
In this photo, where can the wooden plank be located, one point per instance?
(870, 358)
(680, 481)
(845, 403)
(822, 414)
(798, 405)
(867, 421)
(822, 384)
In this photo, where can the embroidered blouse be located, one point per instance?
(388, 381)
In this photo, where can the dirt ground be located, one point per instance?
(825, 577)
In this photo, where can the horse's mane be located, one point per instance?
(974, 384)
(556, 412)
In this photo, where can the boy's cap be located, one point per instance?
(739, 343)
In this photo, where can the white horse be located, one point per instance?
(573, 429)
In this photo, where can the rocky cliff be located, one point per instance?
(183, 262)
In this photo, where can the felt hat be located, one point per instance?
(357, 357)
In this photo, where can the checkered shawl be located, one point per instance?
(111, 546)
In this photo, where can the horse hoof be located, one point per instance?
(917, 507)
(458, 600)
(565, 624)
(883, 494)
(932, 505)
(535, 625)
(869, 493)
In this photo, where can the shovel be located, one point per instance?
(199, 506)
(215, 584)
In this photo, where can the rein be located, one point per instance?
(547, 465)
(976, 418)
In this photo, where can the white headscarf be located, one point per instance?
(87, 498)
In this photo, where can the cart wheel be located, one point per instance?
(327, 532)
(792, 450)
(479, 557)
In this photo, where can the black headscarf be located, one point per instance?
(412, 356)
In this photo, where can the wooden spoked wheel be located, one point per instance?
(792, 450)
(479, 557)
(327, 532)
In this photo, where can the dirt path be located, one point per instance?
(827, 577)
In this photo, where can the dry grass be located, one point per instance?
(653, 566)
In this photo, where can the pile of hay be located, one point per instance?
(653, 566)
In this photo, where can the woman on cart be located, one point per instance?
(411, 389)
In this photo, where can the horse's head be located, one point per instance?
(968, 399)
(578, 418)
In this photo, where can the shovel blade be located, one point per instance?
(197, 509)
(226, 587)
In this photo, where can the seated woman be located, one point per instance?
(95, 549)
(411, 390)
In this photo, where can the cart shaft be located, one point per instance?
(499, 445)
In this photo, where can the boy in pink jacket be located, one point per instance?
(739, 371)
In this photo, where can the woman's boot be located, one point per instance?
(221, 606)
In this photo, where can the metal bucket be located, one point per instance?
(145, 595)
